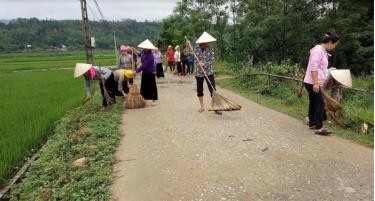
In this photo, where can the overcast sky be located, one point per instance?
(70, 9)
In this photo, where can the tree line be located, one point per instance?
(50, 34)
(277, 30)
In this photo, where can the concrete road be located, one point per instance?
(172, 152)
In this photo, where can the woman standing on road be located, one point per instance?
(177, 58)
(184, 61)
(102, 74)
(159, 63)
(191, 63)
(206, 58)
(315, 77)
(170, 58)
(149, 89)
(125, 62)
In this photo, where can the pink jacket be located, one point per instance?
(318, 62)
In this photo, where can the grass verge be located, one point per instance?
(83, 132)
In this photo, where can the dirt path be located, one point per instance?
(171, 152)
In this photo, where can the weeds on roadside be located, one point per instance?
(83, 132)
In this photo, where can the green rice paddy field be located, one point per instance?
(32, 101)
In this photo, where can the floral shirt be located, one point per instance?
(206, 56)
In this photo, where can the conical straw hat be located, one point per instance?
(81, 69)
(147, 45)
(205, 38)
(342, 76)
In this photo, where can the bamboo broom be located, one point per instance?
(330, 103)
(218, 102)
(135, 99)
(107, 97)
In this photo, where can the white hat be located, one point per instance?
(342, 76)
(205, 38)
(81, 69)
(147, 45)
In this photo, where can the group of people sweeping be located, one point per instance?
(116, 83)
(318, 77)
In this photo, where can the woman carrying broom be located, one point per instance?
(104, 75)
(315, 77)
(206, 58)
(149, 89)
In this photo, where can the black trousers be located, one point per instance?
(171, 64)
(149, 89)
(179, 67)
(200, 81)
(111, 87)
(185, 67)
(317, 113)
(159, 70)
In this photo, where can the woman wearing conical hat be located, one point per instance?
(103, 74)
(149, 89)
(315, 77)
(206, 58)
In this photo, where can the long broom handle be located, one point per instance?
(196, 57)
(106, 95)
(133, 64)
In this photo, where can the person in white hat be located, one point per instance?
(177, 58)
(91, 73)
(149, 89)
(206, 58)
(315, 77)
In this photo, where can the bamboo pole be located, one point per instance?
(301, 81)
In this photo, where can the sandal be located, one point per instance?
(322, 132)
(312, 127)
(218, 113)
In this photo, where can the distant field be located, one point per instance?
(47, 60)
(32, 101)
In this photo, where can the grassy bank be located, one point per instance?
(83, 132)
(282, 96)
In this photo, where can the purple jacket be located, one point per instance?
(148, 65)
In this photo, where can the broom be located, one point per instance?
(218, 102)
(107, 97)
(135, 99)
(330, 103)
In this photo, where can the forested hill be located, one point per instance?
(52, 34)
